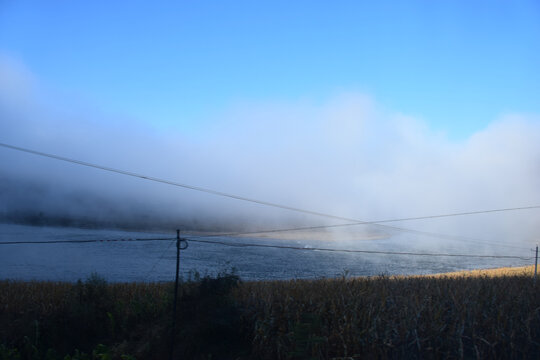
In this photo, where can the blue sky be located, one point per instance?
(457, 65)
(364, 109)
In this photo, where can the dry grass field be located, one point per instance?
(480, 314)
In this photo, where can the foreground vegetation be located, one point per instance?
(486, 314)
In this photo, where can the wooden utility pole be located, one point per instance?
(535, 264)
(178, 248)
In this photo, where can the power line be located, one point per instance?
(351, 221)
(268, 246)
(173, 183)
(355, 251)
(457, 238)
(266, 203)
(81, 241)
(319, 227)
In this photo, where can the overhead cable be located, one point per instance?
(269, 246)
(261, 202)
(355, 251)
(320, 227)
(80, 241)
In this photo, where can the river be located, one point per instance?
(130, 261)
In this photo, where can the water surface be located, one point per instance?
(156, 260)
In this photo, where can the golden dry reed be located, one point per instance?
(477, 314)
(484, 314)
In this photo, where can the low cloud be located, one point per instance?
(345, 156)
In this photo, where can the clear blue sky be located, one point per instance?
(456, 64)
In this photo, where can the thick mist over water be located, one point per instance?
(345, 155)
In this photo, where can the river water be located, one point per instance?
(156, 260)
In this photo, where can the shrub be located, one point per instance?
(209, 319)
